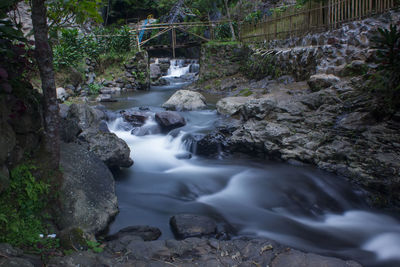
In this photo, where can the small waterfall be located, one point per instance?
(178, 68)
(182, 67)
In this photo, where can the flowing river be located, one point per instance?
(298, 206)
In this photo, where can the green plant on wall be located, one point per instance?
(385, 83)
(21, 208)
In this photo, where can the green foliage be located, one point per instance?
(74, 46)
(254, 17)
(385, 83)
(388, 44)
(94, 246)
(223, 31)
(7, 30)
(222, 43)
(94, 88)
(21, 207)
(258, 67)
(245, 92)
(63, 13)
(69, 50)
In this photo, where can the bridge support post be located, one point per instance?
(173, 41)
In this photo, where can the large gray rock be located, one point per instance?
(15, 262)
(85, 115)
(322, 81)
(108, 147)
(62, 94)
(356, 121)
(155, 71)
(231, 105)
(190, 225)
(7, 141)
(169, 120)
(87, 124)
(87, 193)
(185, 100)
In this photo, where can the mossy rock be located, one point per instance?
(73, 238)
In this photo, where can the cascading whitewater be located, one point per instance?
(299, 206)
(179, 67)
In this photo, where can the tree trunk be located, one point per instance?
(230, 21)
(108, 13)
(44, 57)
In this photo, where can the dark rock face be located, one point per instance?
(137, 71)
(136, 119)
(169, 120)
(218, 61)
(332, 128)
(87, 124)
(322, 81)
(113, 151)
(211, 145)
(189, 225)
(20, 127)
(85, 116)
(88, 199)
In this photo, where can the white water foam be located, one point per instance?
(177, 68)
(386, 246)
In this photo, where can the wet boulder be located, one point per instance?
(87, 124)
(185, 100)
(322, 81)
(155, 71)
(169, 120)
(231, 105)
(85, 115)
(111, 149)
(211, 144)
(62, 94)
(190, 225)
(87, 193)
(135, 118)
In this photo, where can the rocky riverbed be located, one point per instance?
(307, 101)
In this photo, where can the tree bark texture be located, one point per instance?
(44, 57)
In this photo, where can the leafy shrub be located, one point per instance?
(69, 49)
(21, 206)
(94, 246)
(386, 82)
(388, 44)
(254, 17)
(74, 46)
(94, 88)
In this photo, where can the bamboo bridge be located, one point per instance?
(173, 27)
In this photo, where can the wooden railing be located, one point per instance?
(313, 17)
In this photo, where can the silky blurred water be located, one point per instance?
(298, 206)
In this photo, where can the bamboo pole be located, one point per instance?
(173, 41)
(199, 36)
(156, 35)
